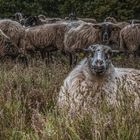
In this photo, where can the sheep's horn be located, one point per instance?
(2, 33)
(89, 49)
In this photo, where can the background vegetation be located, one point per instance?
(99, 9)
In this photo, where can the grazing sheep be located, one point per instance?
(4, 43)
(109, 33)
(87, 34)
(130, 38)
(81, 37)
(96, 79)
(45, 38)
(15, 32)
(48, 37)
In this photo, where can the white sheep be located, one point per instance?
(95, 79)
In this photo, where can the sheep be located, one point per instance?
(48, 37)
(130, 39)
(4, 43)
(32, 21)
(87, 33)
(81, 37)
(95, 79)
(15, 32)
(18, 16)
(45, 38)
(110, 19)
(78, 38)
(113, 20)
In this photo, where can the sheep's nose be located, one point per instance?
(99, 62)
(105, 36)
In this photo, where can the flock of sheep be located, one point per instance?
(95, 77)
(26, 36)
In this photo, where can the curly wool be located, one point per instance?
(83, 91)
(130, 38)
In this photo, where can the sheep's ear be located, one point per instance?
(117, 52)
(86, 50)
(97, 26)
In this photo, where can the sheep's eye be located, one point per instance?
(92, 54)
(107, 56)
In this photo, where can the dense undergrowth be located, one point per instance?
(28, 109)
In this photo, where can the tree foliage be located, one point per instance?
(99, 9)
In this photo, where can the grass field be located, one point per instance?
(28, 97)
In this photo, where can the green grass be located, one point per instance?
(28, 107)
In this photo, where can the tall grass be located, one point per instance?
(28, 109)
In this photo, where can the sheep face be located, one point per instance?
(72, 16)
(32, 21)
(18, 16)
(99, 60)
(106, 29)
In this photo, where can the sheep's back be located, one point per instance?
(131, 37)
(82, 90)
(49, 34)
(13, 30)
(81, 37)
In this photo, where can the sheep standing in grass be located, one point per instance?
(87, 34)
(130, 38)
(45, 38)
(15, 32)
(95, 79)
(81, 37)
(5, 44)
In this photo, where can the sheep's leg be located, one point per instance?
(48, 58)
(43, 54)
(70, 59)
(75, 59)
(51, 58)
